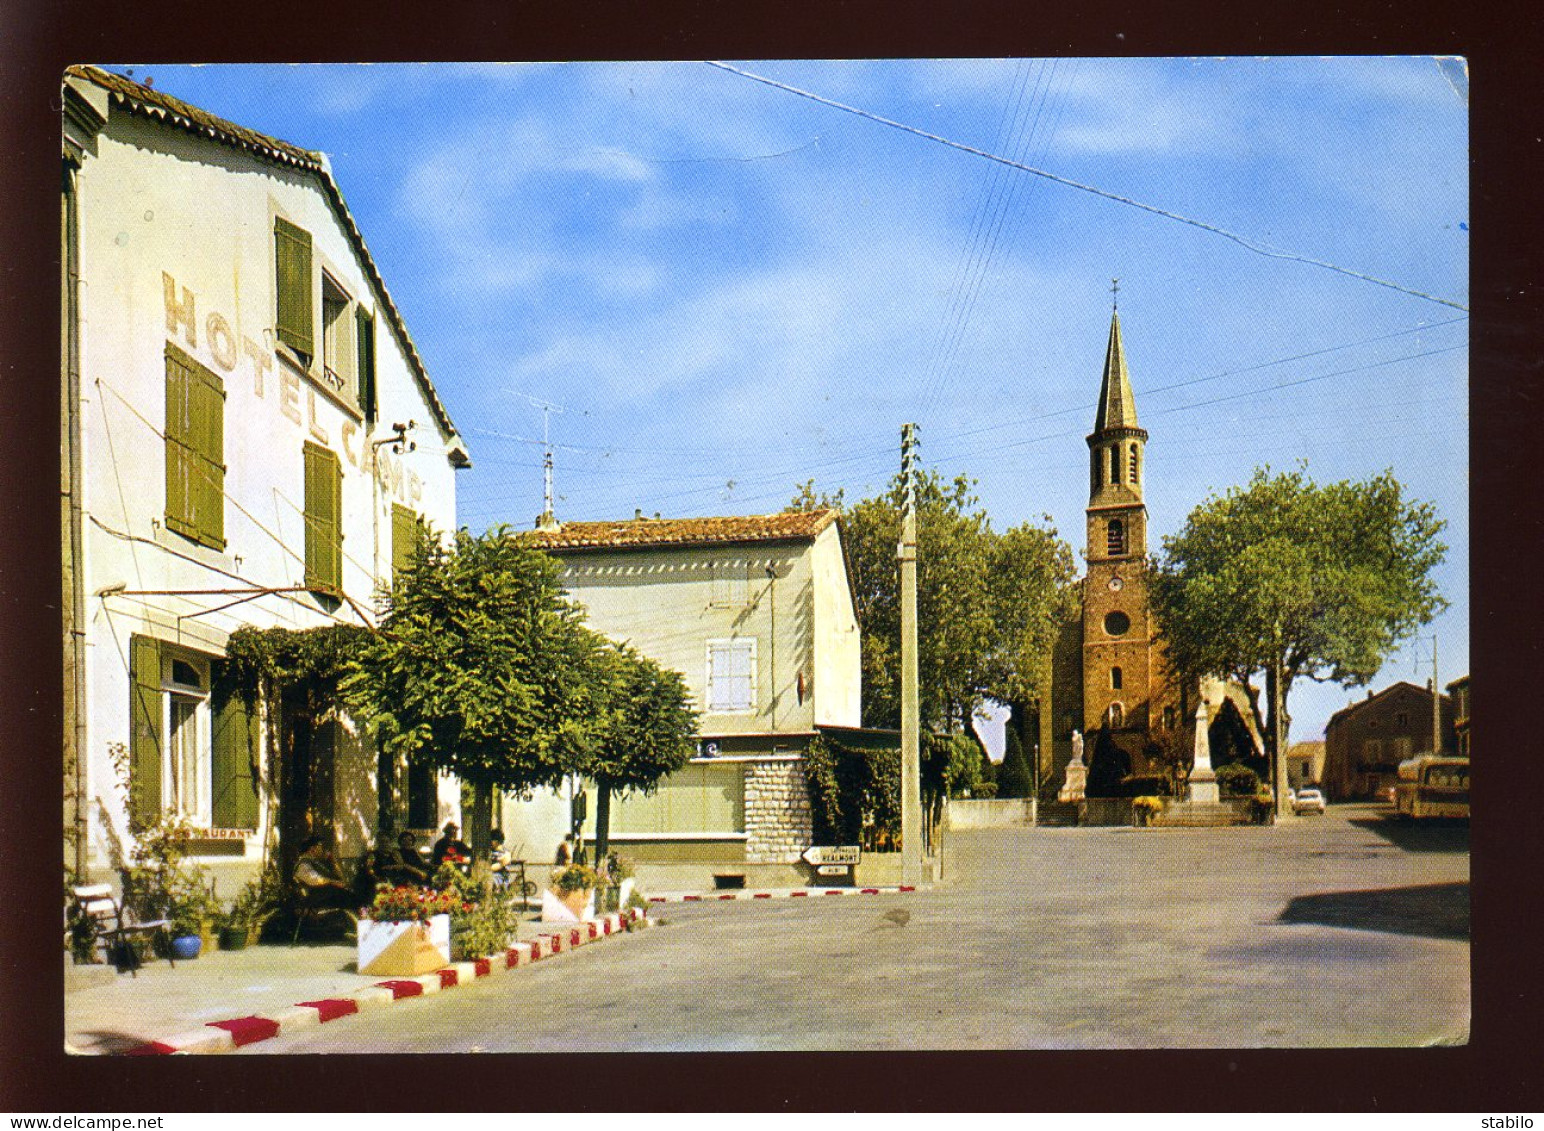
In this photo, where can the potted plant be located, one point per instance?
(1144, 809)
(406, 931)
(255, 903)
(570, 894)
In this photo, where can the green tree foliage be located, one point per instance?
(645, 730)
(1013, 776)
(1325, 581)
(987, 603)
(483, 666)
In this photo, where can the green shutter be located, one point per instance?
(366, 339)
(292, 253)
(195, 450)
(235, 746)
(179, 453)
(323, 520)
(404, 537)
(144, 731)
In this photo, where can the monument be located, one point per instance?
(1203, 780)
(1077, 773)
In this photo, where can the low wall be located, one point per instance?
(989, 813)
(1105, 811)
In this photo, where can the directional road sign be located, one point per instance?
(845, 855)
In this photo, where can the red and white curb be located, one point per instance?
(776, 893)
(222, 1036)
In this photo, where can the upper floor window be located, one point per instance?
(338, 356)
(1115, 679)
(1115, 537)
(294, 325)
(365, 338)
(406, 529)
(324, 520)
(1096, 465)
(195, 450)
(731, 584)
(732, 675)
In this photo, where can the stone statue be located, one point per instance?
(1077, 773)
(1203, 781)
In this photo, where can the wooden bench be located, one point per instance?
(112, 926)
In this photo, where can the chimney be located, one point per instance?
(637, 514)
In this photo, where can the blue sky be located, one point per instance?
(731, 289)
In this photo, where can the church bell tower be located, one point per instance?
(1117, 626)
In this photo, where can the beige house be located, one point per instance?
(233, 370)
(757, 613)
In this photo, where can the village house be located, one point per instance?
(251, 439)
(1365, 741)
(757, 613)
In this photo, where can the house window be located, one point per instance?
(1115, 537)
(364, 335)
(1401, 751)
(1117, 715)
(338, 349)
(731, 585)
(293, 324)
(195, 450)
(1115, 678)
(323, 520)
(188, 757)
(1133, 465)
(1117, 623)
(731, 676)
(406, 528)
(1402, 719)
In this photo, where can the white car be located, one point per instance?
(1308, 801)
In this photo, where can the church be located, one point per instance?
(1110, 681)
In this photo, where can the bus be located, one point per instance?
(1431, 786)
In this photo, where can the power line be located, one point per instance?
(1242, 241)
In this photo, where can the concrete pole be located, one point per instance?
(1279, 734)
(911, 731)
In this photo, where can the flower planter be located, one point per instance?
(400, 950)
(572, 907)
(233, 938)
(186, 947)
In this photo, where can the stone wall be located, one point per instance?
(778, 822)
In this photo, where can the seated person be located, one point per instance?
(449, 845)
(403, 866)
(318, 878)
(498, 857)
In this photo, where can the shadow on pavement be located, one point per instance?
(1439, 911)
(1425, 836)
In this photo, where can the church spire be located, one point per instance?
(1117, 407)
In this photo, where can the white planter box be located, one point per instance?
(570, 909)
(402, 950)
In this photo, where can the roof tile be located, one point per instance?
(645, 532)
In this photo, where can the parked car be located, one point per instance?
(1308, 801)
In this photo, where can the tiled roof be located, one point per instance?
(158, 104)
(645, 532)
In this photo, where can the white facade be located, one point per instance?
(170, 224)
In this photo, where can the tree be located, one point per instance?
(1295, 580)
(986, 603)
(1013, 776)
(646, 729)
(483, 666)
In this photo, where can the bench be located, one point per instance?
(112, 927)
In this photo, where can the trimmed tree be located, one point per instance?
(646, 730)
(483, 667)
(1013, 776)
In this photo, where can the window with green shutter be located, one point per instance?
(145, 731)
(366, 340)
(405, 528)
(324, 520)
(195, 450)
(292, 285)
(233, 787)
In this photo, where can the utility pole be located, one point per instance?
(1436, 704)
(1279, 732)
(911, 735)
